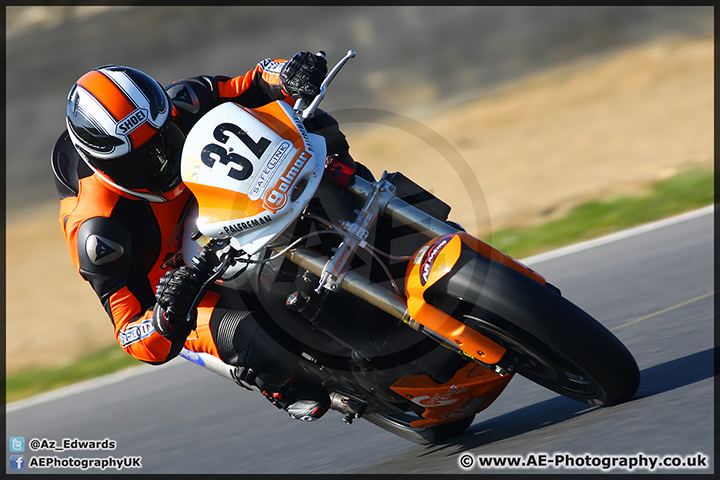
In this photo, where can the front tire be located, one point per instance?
(549, 339)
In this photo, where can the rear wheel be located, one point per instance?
(548, 339)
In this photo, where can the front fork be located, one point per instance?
(431, 262)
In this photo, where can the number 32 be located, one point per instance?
(212, 152)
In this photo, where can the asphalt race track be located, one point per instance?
(653, 290)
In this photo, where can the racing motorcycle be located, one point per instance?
(407, 320)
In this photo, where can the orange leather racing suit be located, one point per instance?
(122, 245)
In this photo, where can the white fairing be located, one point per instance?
(232, 277)
(251, 174)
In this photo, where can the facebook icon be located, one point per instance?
(17, 462)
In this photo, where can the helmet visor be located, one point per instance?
(154, 166)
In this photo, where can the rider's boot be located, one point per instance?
(301, 400)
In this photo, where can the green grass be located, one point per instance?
(34, 381)
(686, 191)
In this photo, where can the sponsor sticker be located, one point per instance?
(276, 197)
(192, 356)
(135, 333)
(426, 265)
(441, 398)
(267, 173)
(191, 169)
(434, 401)
(239, 227)
(101, 250)
(271, 66)
(131, 122)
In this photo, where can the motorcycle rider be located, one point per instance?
(123, 206)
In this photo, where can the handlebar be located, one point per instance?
(214, 272)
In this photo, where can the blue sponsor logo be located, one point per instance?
(135, 333)
(192, 356)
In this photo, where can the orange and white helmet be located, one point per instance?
(252, 172)
(119, 120)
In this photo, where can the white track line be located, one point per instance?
(125, 374)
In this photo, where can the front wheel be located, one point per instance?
(548, 339)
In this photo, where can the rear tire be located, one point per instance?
(549, 339)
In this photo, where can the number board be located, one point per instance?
(230, 148)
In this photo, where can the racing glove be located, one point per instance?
(302, 74)
(174, 296)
